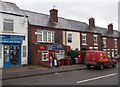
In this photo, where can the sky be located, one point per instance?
(103, 11)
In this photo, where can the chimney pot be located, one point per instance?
(110, 28)
(54, 15)
(92, 22)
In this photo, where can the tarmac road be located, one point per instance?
(108, 76)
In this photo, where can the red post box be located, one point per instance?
(79, 57)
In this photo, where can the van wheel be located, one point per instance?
(88, 66)
(114, 65)
(101, 66)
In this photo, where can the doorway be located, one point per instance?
(51, 57)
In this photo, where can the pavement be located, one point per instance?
(33, 70)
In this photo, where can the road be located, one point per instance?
(108, 76)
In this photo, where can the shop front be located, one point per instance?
(51, 54)
(10, 46)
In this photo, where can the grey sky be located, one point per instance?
(104, 11)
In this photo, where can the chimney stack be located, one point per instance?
(110, 28)
(53, 15)
(92, 22)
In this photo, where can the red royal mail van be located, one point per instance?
(99, 59)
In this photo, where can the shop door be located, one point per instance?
(51, 57)
(11, 55)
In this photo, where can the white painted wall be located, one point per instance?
(75, 40)
(20, 28)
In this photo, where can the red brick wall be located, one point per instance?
(33, 49)
(90, 41)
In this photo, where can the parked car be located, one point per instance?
(99, 59)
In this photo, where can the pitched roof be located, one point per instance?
(40, 19)
(10, 8)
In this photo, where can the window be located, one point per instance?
(104, 42)
(49, 36)
(113, 53)
(8, 25)
(45, 36)
(1, 51)
(69, 38)
(115, 40)
(116, 53)
(53, 37)
(39, 36)
(60, 54)
(95, 40)
(24, 51)
(45, 56)
(84, 39)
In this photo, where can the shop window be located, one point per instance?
(95, 40)
(6, 53)
(45, 56)
(84, 39)
(8, 25)
(45, 36)
(24, 51)
(60, 54)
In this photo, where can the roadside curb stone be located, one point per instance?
(13, 75)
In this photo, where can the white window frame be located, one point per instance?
(115, 41)
(84, 39)
(45, 52)
(105, 45)
(24, 51)
(8, 22)
(95, 48)
(113, 53)
(116, 53)
(52, 36)
(95, 41)
(69, 37)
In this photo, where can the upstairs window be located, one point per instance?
(104, 42)
(84, 42)
(95, 39)
(69, 38)
(8, 25)
(115, 41)
(45, 36)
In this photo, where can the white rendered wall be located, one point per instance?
(75, 40)
(20, 28)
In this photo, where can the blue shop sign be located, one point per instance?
(12, 37)
(54, 47)
(10, 41)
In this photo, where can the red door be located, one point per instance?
(51, 57)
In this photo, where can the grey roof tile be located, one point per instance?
(8, 7)
(40, 19)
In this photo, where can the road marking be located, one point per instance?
(96, 78)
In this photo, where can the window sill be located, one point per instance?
(95, 44)
(8, 32)
(84, 44)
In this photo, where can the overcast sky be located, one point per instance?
(103, 11)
